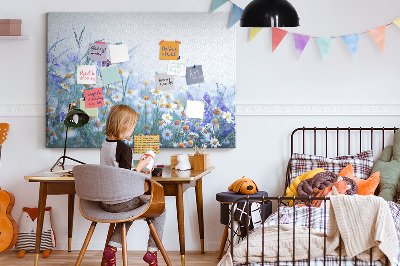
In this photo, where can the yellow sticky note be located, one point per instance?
(144, 143)
(169, 50)
(94, 112)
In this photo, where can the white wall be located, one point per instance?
(262, 78)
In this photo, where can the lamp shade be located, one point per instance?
(269, 13)
(76, 118)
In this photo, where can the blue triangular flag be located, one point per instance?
(216, 4)
(324, 44)
(352, 42)
(235, 15)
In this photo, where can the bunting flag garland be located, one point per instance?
(324, 44)
(277, 37)
(254, 32)
(300, 42)
(216, 4)
(352, 42)
(235, 15)
(378, 35)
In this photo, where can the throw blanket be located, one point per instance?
(364, 222)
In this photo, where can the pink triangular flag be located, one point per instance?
(378, 35)
(300, 42)
(277, 36)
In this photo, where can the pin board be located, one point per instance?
(129, 75)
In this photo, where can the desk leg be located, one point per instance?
(181, 225)
(40, 219)
(71, 201)
(199, 201)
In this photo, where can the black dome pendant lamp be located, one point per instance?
(269, 13)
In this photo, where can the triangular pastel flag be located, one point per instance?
(300, 42)
(352, 42)
(397, 22)
(216, 4)
(235, 15)
(324, 44)
(277, 36)
(378, 35)
(254, 32)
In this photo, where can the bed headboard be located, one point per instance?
(331, 142)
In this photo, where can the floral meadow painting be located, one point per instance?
(204, 40)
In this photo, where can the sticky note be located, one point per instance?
(177, 67)
(118, 53)
(98, 51)
(93, 98)
(164, 82)
(94, 112)
(169, 50)
(144, 143)
(110, 74)
(194, 109)
(86, 74)
(194, 75)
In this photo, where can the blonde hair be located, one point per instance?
(120, 119)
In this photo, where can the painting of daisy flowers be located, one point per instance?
(204, 40)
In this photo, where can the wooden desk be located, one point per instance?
(175, 183)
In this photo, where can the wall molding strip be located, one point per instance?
(15, 110)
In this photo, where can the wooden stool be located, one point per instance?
(227, 198)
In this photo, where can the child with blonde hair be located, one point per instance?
(121, 123)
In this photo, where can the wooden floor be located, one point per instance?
(93, 258)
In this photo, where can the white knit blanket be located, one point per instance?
(364, 222)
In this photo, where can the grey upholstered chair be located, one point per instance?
(97, 183)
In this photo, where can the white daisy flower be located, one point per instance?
(167, 118)
(214, 143)
(167, 134)
(227, 116)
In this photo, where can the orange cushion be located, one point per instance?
(365, 187)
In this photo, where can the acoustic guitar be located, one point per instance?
(3, 135)
(8, 226)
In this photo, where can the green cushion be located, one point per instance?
(389, 170)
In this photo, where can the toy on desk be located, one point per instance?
(149, 167)
(183, 162)
(244, 186)
(8, 227)
(27, 232)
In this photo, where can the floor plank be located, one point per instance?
(93, 258)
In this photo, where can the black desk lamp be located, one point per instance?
(269, 13)
(75, 118)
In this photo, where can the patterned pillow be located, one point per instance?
(362, 163)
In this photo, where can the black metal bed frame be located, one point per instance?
(315, 133)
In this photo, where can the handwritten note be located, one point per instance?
(194, 75)
(94, 112)
(169, 50)
(98, 51)
(86, 74)
(110, 74)
(118, 53)
(177, 67)
(93, 98)
(194, 109)
(164, 82)
(143, 143)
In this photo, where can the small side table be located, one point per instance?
(227, 198)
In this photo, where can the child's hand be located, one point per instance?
(143, 161)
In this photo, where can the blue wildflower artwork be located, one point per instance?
(205, 41)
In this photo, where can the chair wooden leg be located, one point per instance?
(160, 246)
(124, 248)
(223, 242)
(86, 243)
(110, 232)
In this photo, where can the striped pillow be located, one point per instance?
(362, 164)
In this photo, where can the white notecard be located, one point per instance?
(177, 67)
(118, 53)
(195, 109)
(86, 74)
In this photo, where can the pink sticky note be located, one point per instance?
(93, 98)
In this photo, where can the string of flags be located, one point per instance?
(378, 34)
